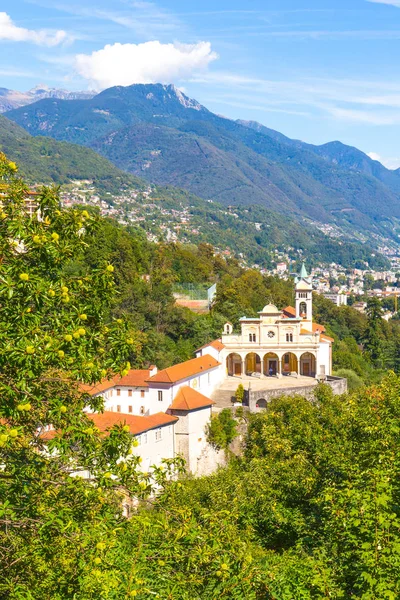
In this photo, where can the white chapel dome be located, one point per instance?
(270, 308)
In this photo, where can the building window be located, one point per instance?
(142, 410)
(130, 408)
(130, 393)
(158, 435)
(252, 337)
(303, 295)
(118, 392)
(118, 408)
(142, 393)
(289, 337)
(160, 398)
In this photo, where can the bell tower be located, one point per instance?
(303, 290)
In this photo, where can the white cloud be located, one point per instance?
(150, 62)
(12, 33)
(375, 156)
(390, 2)
(390, 163)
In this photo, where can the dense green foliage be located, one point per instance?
(315, 496)
(44, 160)
(222, 430)
(309, 511)
(159, 134)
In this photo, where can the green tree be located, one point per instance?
(373, 332)
(239, 394)
(222, 430)
(56, 525)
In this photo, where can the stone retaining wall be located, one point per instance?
(338, 385)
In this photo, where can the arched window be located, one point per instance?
(252, 337)
(303, 309)
(289, 337)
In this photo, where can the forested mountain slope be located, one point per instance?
(157, 132)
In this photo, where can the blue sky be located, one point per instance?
(317, 70)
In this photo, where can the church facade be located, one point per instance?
(278, 343)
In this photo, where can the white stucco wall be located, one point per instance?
(152, 450)
(131, 400)
(324, 357)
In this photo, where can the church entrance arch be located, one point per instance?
(289, 363)
(253, 363)
(307, 364)
(271, 363)
(234, 365)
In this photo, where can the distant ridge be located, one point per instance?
(157, 132)
(10, 99)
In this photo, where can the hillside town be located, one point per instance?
(342, 286)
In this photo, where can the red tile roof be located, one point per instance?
(217, 344)
(189, 399)
(135, 378)
(316, 327)
(290, 312)
(185, 370)
(326, 338)
(136, 424)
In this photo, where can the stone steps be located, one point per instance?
(223, 398)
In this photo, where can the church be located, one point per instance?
(278, 343)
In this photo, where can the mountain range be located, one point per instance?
(10, 99)
(156, 132)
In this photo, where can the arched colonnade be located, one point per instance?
(271, 364)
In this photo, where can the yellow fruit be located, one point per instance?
(101, 350)
(89, 365)
(36, 239)
(97, 560)
(65, 299)
(89, 430)
(83, 317)
(225, 567)
(12, 166)
(133, 593)
(110, 268)
(61, 353)
(80, 282)
(68, 337)
(82, 331)
(129, 341)
(27, 406)
(13, 433)
(63, 409)
(64, 289)
(28, 310)
(20, 406)
(107, 475)
(161, 563)
(126, 428)
(101, 546)
(3, 438)
(103, 372)
(55, 236)
(30, 350)
(135, 444)
(85, 214)
(51, 293)
(219, 573)
(77, 335)
(24, 277)
(124, 372)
